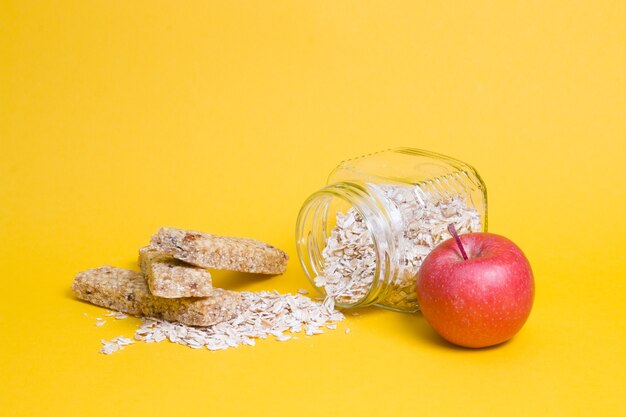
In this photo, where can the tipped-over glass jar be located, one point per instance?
(362, 238)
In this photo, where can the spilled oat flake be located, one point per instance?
(267, 314)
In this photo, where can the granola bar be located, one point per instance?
(171, 278)
(126, 291)
(220, 252)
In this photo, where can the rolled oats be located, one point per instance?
(350, 257)
(267, 314)
(115, 344)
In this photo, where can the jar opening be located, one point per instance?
(343, 245)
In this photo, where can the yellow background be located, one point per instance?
(118, 117)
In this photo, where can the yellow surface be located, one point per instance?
(117, 117)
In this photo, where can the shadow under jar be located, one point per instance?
(362, 239)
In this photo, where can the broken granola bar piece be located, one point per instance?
(126, 291)
(169, 277)
(220, 252)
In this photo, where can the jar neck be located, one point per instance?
(316, 221)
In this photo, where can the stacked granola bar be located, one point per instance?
(174, 284)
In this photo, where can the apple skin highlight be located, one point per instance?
(482, 301)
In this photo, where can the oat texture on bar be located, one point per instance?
(126, 291)
(220, 252)
(169, 277)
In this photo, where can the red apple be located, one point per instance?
(478, 298)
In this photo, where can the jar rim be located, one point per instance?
(311, 236)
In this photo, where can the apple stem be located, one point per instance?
(456, 237)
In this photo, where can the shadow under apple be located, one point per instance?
(417, 326)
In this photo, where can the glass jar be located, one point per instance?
(362, 238)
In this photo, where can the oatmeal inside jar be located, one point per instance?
(420, 218)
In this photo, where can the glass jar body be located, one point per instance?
(362, 238)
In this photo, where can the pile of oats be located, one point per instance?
(350, 259)
(420, 224)
(267, 313)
